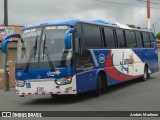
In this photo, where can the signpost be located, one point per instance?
(6, 71)
(5, 55)
(148, 14)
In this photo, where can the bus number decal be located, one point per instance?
(101, 58)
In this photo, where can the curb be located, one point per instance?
(11, 90)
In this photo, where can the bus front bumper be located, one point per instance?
(43, 86)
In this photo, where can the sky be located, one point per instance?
(24, 12)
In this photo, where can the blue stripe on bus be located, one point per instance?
(43, 73)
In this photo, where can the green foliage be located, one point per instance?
(158, 35)
(133, 26)
(138, 27)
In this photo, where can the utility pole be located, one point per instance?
(5, 55)
(148, 14)
(5, 23)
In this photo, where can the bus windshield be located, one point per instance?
(45, 49)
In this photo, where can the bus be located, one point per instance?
(73, 57)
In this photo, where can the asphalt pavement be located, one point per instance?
(130, 96)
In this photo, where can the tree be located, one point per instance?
(158, 35)
(133, 26)
(138, 27)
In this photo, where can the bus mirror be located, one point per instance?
(6, 40)
(68, 38)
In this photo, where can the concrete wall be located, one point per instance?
(11, 75)
(16, 29)
(1, 78)
(12, 51)
(12, 44)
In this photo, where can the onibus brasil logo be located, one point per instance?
(130, 61)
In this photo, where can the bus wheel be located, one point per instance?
(97, 92)
(54, 95)
(103, 83)
(21, 96)
(146, 75)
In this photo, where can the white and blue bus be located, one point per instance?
(72, 57)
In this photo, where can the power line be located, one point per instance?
(5, 13)
(123, 4)
(19, 12)
(157, 21)
(150, 2)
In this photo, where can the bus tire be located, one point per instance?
(103, 84)
(54, 95)
(97, 92)
(146, 75)
(21, 96)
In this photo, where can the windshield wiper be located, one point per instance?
(31, 55)
(46, 52)
(44, 45)
(35, 47)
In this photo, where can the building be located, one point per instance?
(12, 46)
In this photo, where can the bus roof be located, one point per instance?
(73, 22)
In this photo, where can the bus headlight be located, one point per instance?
(63, 81)
(20, 83)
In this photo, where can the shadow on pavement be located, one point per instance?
(71, 99)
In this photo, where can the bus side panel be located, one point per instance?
(114, 76)
(86, 81)
(123, 65)
(120, 64)
(149, 56)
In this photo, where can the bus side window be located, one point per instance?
(146, 40)
(130, 39)
(133, 39)
(83, 43)
(152, 39)
(120, 38)
(91, 37)
(139, 39)
(109, 37)
(97, 37)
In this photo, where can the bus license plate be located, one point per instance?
(40, 89)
